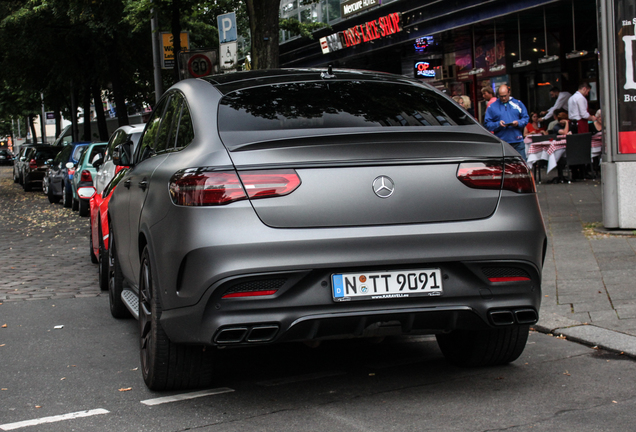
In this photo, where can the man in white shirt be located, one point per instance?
(577, 109)
(561, 97)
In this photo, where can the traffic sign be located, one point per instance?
(227, 55)
(199, 65)
(227, 27)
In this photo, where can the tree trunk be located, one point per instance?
(86, 106)
(176, 37)
(34, 135)
(115, 75)
(99, 112)
(58, 120)
(264, 28)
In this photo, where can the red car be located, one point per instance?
(99, 240)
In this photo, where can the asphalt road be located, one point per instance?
(69, 366)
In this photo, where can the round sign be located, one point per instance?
(199, 65)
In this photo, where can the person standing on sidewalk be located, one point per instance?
(577, 109)
(506, 118)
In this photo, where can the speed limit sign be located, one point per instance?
(199, 65)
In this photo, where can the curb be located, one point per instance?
(588, 334)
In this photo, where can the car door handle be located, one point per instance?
(127, 184)
(143, 184)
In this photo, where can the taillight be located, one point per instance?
(264, 184)
(198, 187)
(479, 175)
(516, 176)
(86, 176)
(33, 164)
(202, 187)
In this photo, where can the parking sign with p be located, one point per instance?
(227, 27)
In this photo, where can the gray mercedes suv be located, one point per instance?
(274, 206)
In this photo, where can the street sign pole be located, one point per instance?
(156, 60)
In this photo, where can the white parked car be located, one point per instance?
(105, 167)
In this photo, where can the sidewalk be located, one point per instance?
(589, 277)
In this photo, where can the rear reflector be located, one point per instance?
(515, 174)
(250, 294)
(204, 187)
(509, 279)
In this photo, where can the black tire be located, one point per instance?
(67, 196)
(84, 208)
(53, 199)
(15, 178)
(27, 186)
(490, 347)
(74, 203)
(90, 245)
(115, 283)
(164, 364)
(45, 186)
(103, 261)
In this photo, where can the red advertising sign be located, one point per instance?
(382, 27)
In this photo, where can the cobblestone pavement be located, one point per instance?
(44, 248)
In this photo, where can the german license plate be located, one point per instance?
(386, 285)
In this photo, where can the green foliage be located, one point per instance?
(302, 29)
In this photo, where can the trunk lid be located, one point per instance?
(344, 177)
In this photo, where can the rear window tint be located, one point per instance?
(337, 104)
(47, 153)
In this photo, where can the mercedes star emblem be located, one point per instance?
(383, 186)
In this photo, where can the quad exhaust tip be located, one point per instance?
(510, 317)
(247, 333)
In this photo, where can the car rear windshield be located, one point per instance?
(46, 153)
(337, 104)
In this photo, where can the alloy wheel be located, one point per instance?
(145, 315)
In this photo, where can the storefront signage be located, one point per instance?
(382, 27)
(351, 7)
(424, 69)
(626, 79)
(367, 32)
(422, 43)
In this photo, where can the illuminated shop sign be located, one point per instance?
(351, 7)
(424, 69)
(422, 43)
(367, 32)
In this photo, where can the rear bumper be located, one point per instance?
(196, 263)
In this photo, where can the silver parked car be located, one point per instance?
(301, 205)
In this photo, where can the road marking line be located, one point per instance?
(52, 419)
(299, 378)
(186, 396)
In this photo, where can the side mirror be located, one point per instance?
(86, 192)
(122, 154)
(69, 165)
(22, 159)
(48, 162)
(98, 161)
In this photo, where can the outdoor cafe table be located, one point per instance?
(551, 150)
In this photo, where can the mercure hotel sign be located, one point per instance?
(354, 6)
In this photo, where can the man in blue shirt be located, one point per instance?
(506, 118)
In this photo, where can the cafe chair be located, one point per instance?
(578, 151)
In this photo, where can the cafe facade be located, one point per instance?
(458, 47)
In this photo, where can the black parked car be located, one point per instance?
(19, 161)
(34, 167)
(60, 171)
(6, 157)
(274, 206)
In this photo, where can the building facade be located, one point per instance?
(456, 46)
